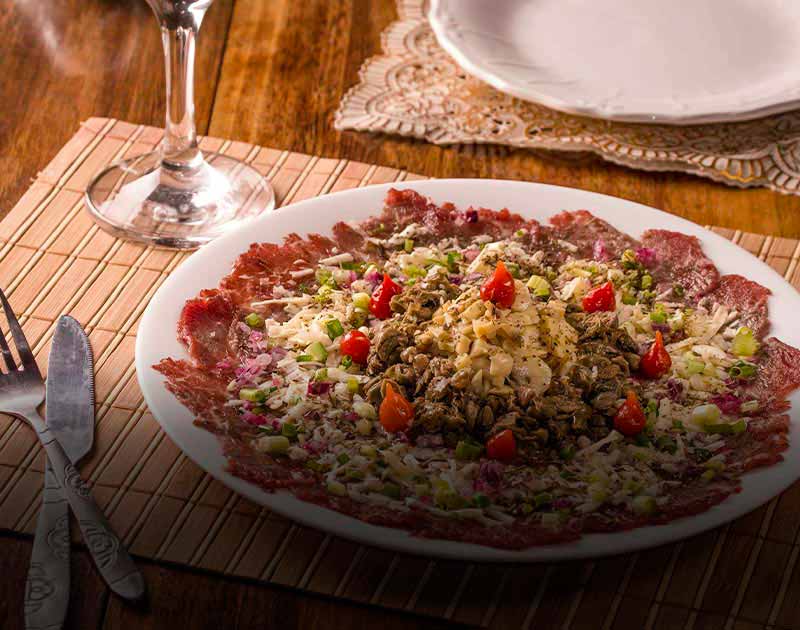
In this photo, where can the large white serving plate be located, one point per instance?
(157, 339)
(670, 61)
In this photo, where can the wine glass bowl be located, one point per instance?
(177, 196)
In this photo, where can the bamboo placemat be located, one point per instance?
(54, 260)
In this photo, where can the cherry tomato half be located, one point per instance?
(379, 303)
(355, 345)
(396, 413)
(502, 446)
(656, 361)
(630, 418)
(600, 299)
(499, 288)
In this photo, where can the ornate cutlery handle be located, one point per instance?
(111, 558)
(47, 585)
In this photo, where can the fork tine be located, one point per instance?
(6, 352)
(24, 350)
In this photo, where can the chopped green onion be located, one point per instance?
(334, 328)
(412, 271)
(337, 488)
(706, 414)
(658, 315)
(321, 374)
(539, 286)
(252, 395)
(677, 424)
(323, 294)
(254, 320)
(513, 269)
(356, 266)
(694, 366)
(408, 245)
(302, 358)
(452, 261)
(744, 344)
(275, 444)
(519, 233)
(647, 281)
(666, 443)
(289, 430)
(343, 458)
(723, 428)
(644, 504)
(317, 351)
(567, 453)
(325, 278)
(347, 361)
(651, 408)
(467, 449)
(391, 490)
(628, 298)
(642, 439)
(361, 300)
(480, 500)
(742, 370)
(678, 290)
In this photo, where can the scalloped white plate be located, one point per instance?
(156, 340)
(666, 61)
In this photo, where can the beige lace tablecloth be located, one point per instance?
(416, 89)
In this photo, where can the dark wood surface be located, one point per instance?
(270, 72)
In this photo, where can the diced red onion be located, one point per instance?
(662, 328)
(728, 403)
(471, 254)
(319, 388)
(471, 216)
(675, 390)
(600, 251)
(646, 256)
(255, 419)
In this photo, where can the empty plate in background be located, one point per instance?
(677, 62)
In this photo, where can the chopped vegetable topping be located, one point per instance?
(630, 419)
(600, 299)
(499, 289)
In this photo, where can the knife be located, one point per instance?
(70, 417)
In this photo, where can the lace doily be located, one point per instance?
(416, 89)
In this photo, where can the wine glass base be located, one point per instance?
(145, 200)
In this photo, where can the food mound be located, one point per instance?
(475, 376)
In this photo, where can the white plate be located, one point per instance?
(156, 340)
(670, 61)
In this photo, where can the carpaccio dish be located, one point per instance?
(475, 376)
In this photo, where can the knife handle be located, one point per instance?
(47, 585)
(110, 557)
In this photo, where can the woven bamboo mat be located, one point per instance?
(54, 260)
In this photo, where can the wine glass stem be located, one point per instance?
(180, 134)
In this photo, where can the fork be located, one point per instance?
(21, 392)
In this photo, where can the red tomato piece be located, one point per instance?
(630, 418)
(396, 413)
(502, 446)
(379, 303)
(355, 345)
(500, 287)
(600, 299)
(656, 361)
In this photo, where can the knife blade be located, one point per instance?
(70, 389)
(70, 416)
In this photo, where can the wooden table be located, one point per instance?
(272, 73)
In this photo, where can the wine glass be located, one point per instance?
(177, 196)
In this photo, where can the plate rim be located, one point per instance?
(438, 19)
(779, 476)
